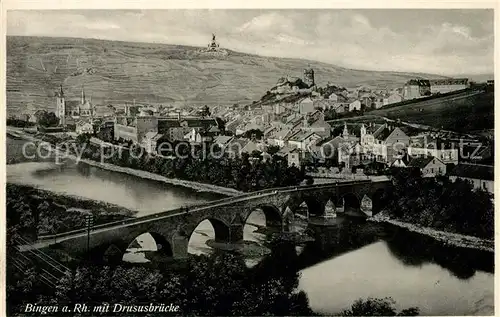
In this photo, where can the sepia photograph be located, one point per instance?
(249, 162)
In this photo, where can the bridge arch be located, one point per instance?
(148, 241)
(273, 218)
(351, 201)
(204, 230)
(315, 207)
(273, 215)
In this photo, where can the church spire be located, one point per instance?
(61, 93)
(83, 95)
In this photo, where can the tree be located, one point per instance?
(220, 284)
(377, 307)
(309, 180)
(273, 149)
(205, 111)
(253, 133)
(134, 110)
(83, 139)
(48, 119)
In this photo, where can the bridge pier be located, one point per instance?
(235, 233)
(179, 244)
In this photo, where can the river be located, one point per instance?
(339, 268)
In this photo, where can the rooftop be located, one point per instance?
(420, 162)
(475, 171)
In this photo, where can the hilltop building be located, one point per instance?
(416, 88)
(443, 86)
(309, 77)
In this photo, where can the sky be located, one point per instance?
(438, 41)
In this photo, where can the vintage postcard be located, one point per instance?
(217, 161)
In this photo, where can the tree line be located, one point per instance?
(219, 284)
(248, 172)
(440, 203)
(32, 212)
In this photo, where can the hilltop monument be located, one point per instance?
(213, 48)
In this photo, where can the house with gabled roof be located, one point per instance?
(280, 137)
(234, 148)
(429, 166)
(223, 140)
(297, 157)
(303, 139)
(306, 105)
(387, 142)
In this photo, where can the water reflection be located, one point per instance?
(145, 196)
(360, 260)
(415, 250)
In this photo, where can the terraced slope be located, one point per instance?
(118, 72)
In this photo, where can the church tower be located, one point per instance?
(363, 134)
(345, 133)
(61, 106)
(363, 130)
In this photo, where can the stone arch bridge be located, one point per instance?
(172, 229)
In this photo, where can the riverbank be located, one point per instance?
(447, 238)
(139, 173)
(173, 181)
(57, 212)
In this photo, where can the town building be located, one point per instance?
(280, 137)
(446, 85)
(481, 176)
(84, 126)
(152, 142)
(393, 98)
(333, 96)
(105, 130)
(195, 136)
(378, 102)
(426, 145)
(384, 142)
(306, 105)
(325, 104)
(298, 158)
(401, 160)
(354, 105)
(315, 122)
(303, 139)
(134, 128)
(428, 166)
(416, 88)
(222, 141)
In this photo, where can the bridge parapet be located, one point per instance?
(197, 207)
(228, 217)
